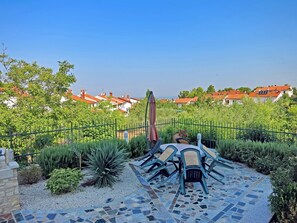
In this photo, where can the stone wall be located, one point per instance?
(9, 188)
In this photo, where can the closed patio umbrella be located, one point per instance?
(152, 133)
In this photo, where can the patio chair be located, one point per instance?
(161, 163)
(193, 170)
(216, 160)
(182, 140)
(150, 154)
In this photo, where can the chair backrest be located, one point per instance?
(168, 153)
(182, 140)
(190, 157)
(208, 151)
(156, 147)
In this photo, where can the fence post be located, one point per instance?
(173, 122)
(11, 138)
(115, 128)
(71, 132)
(212, 129)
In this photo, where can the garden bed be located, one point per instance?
(37, 197)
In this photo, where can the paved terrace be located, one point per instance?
(243, 198)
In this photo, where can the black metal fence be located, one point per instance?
(32, 141)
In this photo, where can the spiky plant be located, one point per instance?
(106, 163)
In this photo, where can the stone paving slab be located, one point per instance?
(243, 198)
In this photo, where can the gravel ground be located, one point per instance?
(37, 197)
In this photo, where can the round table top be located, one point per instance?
(181, 146)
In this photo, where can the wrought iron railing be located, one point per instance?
(32, 141)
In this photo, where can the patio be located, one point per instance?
(243, 198)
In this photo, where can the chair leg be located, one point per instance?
(157, 173)
(168, 178)
(153, 176)
(152, 167)
(224, 160)
(146, 161)
(225, 165)
(204, 185)
(216, 178)
(211, 166)
(218, 173)
(182, 184)
(203, 172)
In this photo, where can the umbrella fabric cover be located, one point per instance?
(153, 134)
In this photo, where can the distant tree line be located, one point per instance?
(199, 91)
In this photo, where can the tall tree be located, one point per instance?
(244, 89)
(196, 92)
(183, 94)
(34, 90)
(294, 91)
(210, 89)
(228, 89)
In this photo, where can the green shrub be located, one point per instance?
(138, 146)
(266, 164)
(231, 149)
(264, 157)
(84, 149)
(106, 163)
(284, 197)
(72, 155)
(63, 180)
(30, 174)
(256, 133)
(56, 157)
(167, 134)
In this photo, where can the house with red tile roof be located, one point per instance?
(78, 98)
(217, 96)
(286, 89)
(84, 95)
(232, 98)
(261, 94)
(222, 95)
(185, 101)
(273, 93)
(117, 103)
(128, 99)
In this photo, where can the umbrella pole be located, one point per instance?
(145, 120)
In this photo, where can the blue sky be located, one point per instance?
(167, 46)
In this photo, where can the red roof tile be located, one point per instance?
(236, 96)
(92, 97)
(77, 98)
(270, 94)
(274, 88)
(185, 100)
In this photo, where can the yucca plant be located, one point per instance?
(106, 163)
